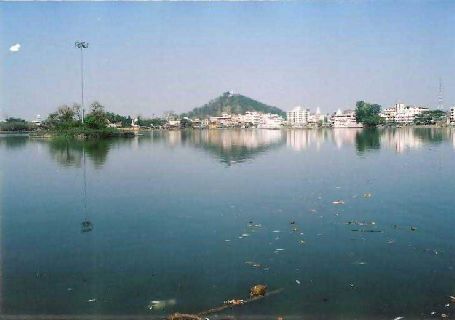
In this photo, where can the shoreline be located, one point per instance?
(131, 132)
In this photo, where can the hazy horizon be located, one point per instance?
(150, 57)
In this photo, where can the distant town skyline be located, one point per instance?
(150, 57)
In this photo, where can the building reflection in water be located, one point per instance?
(397, 139)
(229, 146)
(401, 140)
(237, 145)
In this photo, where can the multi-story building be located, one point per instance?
(408, 114)
(401, 113)
(452, 115)
(298, 116)
(252, 117)
(345, 119)
(221, 121)
(271, 121)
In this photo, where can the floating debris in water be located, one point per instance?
(360, 263)
(338, 202)
(302, 241)
(398, 318)
(234, 302)
(245, 235)
(91, 300)
(413, 228)
(433, 251)
(276, 231)
(161, 304)
(367, 195)
(361, 223)
(298, 282)
(366, 230)
(258, 290)
(86, 226)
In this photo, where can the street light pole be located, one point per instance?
(82, 45)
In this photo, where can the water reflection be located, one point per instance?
(236, 146)
(10, 141)
(364, 140)
(367, 139)
(70, 153)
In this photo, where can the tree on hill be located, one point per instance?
(368, 114)
(231, 103)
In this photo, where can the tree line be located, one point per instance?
(369, 115)
(69, 117)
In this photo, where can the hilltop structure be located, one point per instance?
(231, 103)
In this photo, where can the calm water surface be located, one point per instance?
(196, 218)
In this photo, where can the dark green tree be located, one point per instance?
(186, 123)
(64, 118)
(116, 118)
(97, 118)
(368, 114)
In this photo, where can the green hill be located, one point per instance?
(231, 103)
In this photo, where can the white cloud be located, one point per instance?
(15, 47)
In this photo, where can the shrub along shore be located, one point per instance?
(67, 123)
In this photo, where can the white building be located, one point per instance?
(252, 117)
(345, 119)
(37, 120)
(225, 120)
(408, 114)
(271, 121)
(298, 116)
(452, 115)
(174, 123)
(401, 113)
(316, 118)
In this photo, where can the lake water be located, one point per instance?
(195, 218)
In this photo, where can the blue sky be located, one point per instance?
(149, 57)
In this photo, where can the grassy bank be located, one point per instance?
(83, 133)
